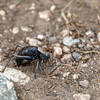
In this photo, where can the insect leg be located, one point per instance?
(23, 57)
(36, 69)
(11, 57)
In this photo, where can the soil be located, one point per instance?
(54, 87)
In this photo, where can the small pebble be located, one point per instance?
(45, 15)
(69, 14)
(33, 42)
(68, 41)
(59, 19)
(57, 51)
(52, 8)
(40, 37)
(1, 68)
(65, 32)
(2, 13)
(81, 96)
(66, 49)
(15, 30)
(66, 74)
(76, 56)
(25, 28)
(98, 36)
(75, 76)
(89, 33)
(84, 83)
(12, 6)
(66, 58)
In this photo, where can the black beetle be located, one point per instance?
(29, 53)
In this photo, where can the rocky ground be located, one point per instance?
(67, 30)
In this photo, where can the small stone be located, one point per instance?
(89, 33)
(45, 15)
(84, 83)
(12, 6)
(81, 96)
(80, 45)
(65, 32)
(57, 51)
(16, 76)
(2, 13)
(40, 37)
(76, 56)
(25, 29)
(59, 19)
(66, 74)
(33, 42)
(84, 65)
(75, 76)
(68, 41)
(52, 8)
(66, 49)
(54, 77)
(1, 68)
(7, 91)
(98, 36)
(69, 14)
(15, 30)
(66, 58)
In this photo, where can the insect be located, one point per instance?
(29, 53)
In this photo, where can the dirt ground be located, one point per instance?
(55, 87)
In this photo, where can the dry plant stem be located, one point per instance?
(62, 11)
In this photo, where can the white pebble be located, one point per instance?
(89, 33)
(25, 28)
(1, 68)
(65, 32)
(98, 36)
(66, 58)
(75, 76)
(45, 15)
(57, 51)
(2, 13)
(81, 96)
(12, 6)
(84, 83)
(52, 8)
(15, 30)
(40, 37)
(33, 42)
(66, 49)
(66, 74)
(68, 41)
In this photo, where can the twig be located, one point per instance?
(62, 11)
